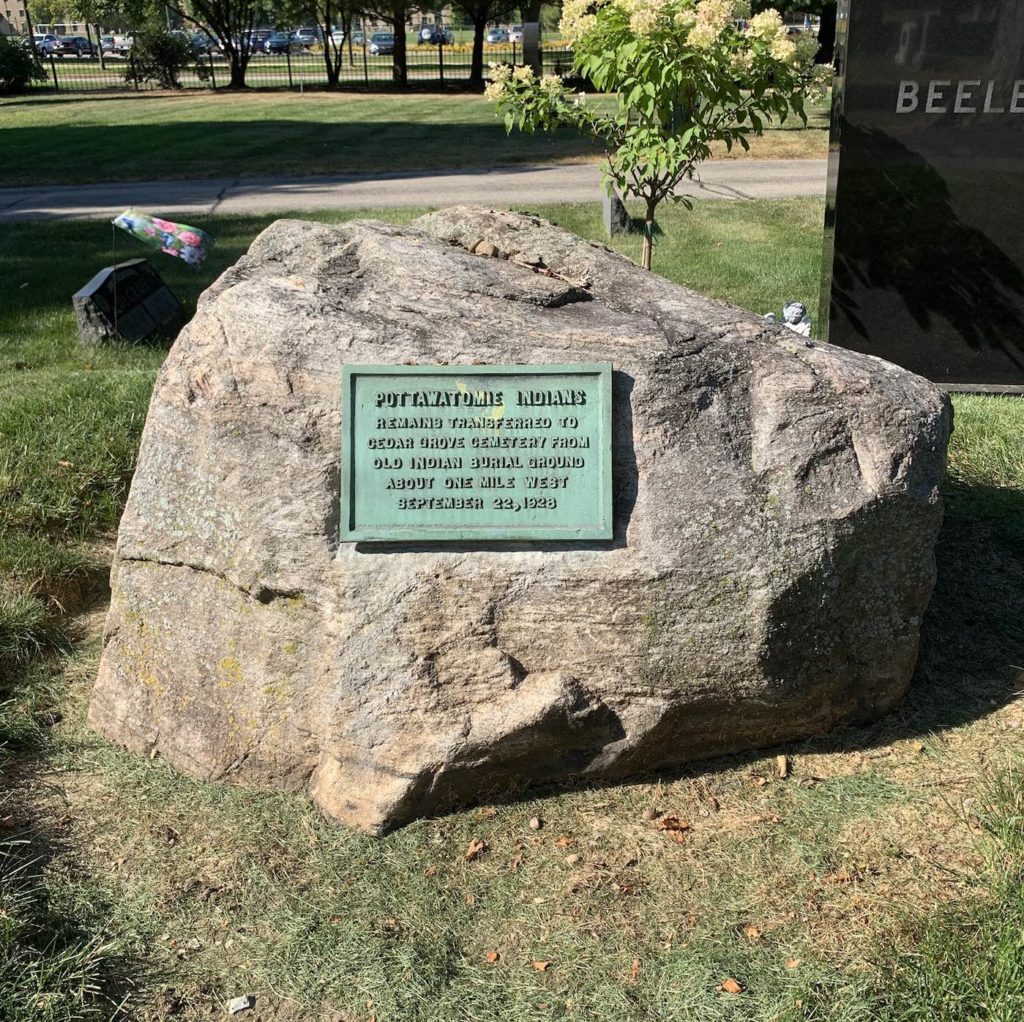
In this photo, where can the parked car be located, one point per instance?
(358, 39)
(203, 42)
(435, 35)
(257, 39)
(381, 43)
(123, 44)
(74, 45)
(107, 44)
(515, 34)
(309, 36)
(46, 43)
(497, 35)
(282, 42)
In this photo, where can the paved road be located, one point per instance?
(500, 186)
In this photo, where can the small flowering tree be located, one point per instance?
(686, 73)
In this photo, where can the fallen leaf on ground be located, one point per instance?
(634, 970)
(792, 963)
(782, 766)
(730, 986)
(571, 860)
(493, 956)
(542, 966)
(752, 932)
(476, 847)
(676, 829)
(566, 842)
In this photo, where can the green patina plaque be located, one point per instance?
(515, 452)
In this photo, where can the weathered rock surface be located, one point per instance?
(776, 508)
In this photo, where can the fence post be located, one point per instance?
(288, 58)
(440, 60)
(131, 70)
(53, 71)
(213, 76)
(513, 53)
(366, 62)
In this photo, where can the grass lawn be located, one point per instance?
(74, 139)
(883, 881)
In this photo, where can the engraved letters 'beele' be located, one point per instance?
(460, 453)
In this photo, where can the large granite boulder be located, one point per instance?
(776, 505)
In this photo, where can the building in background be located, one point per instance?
(13, 17)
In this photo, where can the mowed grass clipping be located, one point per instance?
(75, 139)
(880, 880)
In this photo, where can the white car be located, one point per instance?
(515, 34)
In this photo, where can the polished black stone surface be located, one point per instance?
(924, 249)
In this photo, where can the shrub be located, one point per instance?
(684, 74)
(159, 57)
(18, 67)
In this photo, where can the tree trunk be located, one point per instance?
(31, 33)
(238, 64)
(476, 67)
(401, 70)
(827, 35)
(531, 10)
(332, 57)
(648, 251)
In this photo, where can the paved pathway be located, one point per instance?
(503, 186)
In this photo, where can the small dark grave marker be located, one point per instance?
(924, 249)
(129, 301)
(616, 217)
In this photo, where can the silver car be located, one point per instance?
(47, 43)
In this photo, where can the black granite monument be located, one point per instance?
(924, 233)
(129, 301)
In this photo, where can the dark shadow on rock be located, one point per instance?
(901, 235)
(971, 653)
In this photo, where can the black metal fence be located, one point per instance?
(427, 65)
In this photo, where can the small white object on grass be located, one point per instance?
(243, 1003)
(795, 317)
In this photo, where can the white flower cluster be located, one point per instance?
(710, 20)
(497, 87)
(578, 18)
(644, 15)
(701, 22)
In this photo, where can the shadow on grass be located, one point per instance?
(59, 957)
(38, 154)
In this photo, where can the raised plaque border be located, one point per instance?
(603, 530)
